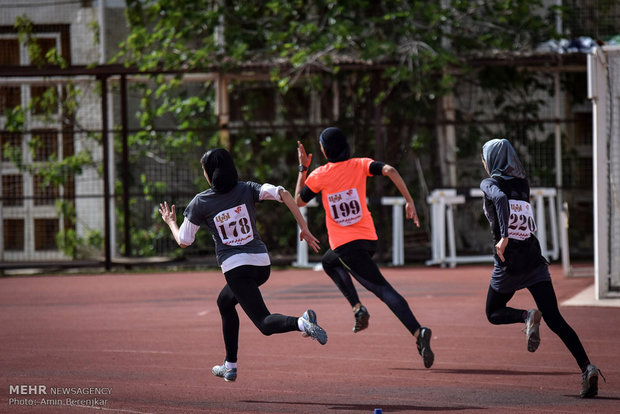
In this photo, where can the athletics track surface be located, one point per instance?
(152, 339)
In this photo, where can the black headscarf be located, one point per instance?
(335, 144)
(220, 169)
(502, 159)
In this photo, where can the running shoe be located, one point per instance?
(311, 328)
(229, 374)
(532, 325)
(424, 346)
(589, 382)
(361, 319)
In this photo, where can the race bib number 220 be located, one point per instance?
(521, 223)
(234, 226)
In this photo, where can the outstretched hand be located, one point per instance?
(411, 213)
(168, 214)
(312, 241)
(304, 159)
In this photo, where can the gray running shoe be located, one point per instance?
(311, 328)
(361, 319)
(229, 375)
(424, 346)
(532, 325)
(589, 382)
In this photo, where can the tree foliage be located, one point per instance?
(416, 40)
(391, 60)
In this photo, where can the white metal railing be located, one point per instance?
(443, 202)
(398, 244)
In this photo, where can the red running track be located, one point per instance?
(146, 343)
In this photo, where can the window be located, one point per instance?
(45, 231)
(9, 142)
(12, 190)
(10, 96)
(13, 234)
(44, 144)
(44, 194)
(44, 99)
(9, 52)
(41, 96)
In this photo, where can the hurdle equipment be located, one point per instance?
(398, 235)
(443, 202)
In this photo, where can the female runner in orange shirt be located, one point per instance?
(351, 230)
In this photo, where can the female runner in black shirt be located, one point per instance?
(518, 260)
(228, 210)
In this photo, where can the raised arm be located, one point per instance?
(304, 232)
(398, 181)
(304, 163)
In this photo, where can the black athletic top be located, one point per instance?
(231, 218)
(506, 206)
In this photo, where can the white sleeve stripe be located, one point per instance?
(270, 192)
(187, 232)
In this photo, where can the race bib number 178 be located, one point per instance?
(521, 223)
(234, 226)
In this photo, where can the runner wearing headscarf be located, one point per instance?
(518, 261)
(228, 211)
(351, 230)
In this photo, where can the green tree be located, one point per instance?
(391, 61)
(412, 42)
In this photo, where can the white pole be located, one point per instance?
(451, 241)
(541, 223)
(597, 87)
(553, 219)
(565, 248)
(102, 39)
(558, 161)
(302, 246)
(398, 239)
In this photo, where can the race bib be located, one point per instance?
(234, 226)
(521, 223)
(345, 207)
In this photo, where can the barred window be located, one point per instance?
(45, 231)
(44, 194)
(13, 234)
(12, 190)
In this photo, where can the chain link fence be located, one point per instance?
(80, 179)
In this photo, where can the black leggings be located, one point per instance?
(544, 296)
(355, 258)
(242, 287)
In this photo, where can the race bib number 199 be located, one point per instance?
(521, 223)
(345, 207)
(234, 226)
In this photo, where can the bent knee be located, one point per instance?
(493, 319)
(264, 330)
(225, 305)
(330, 264)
